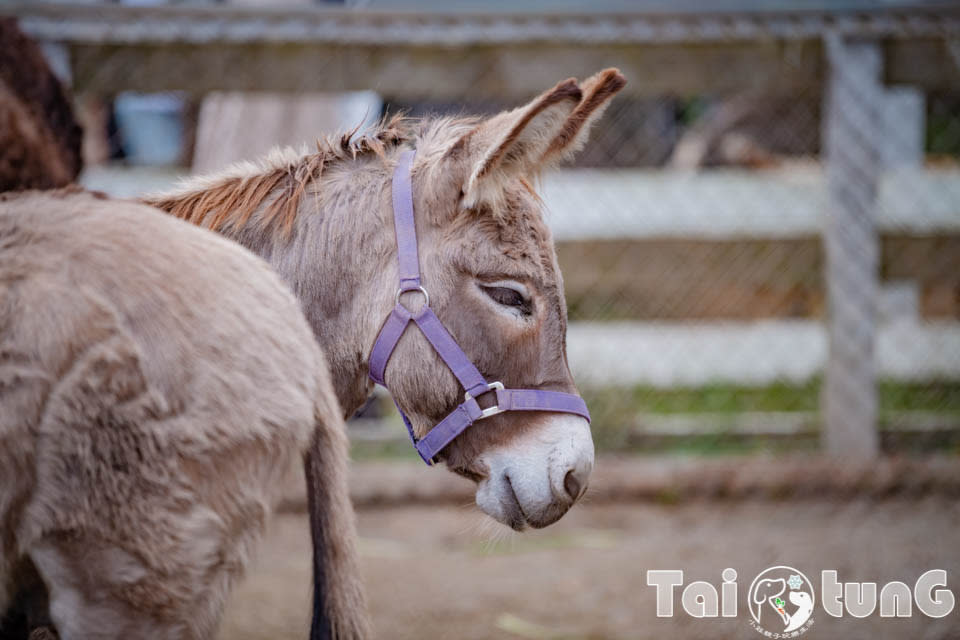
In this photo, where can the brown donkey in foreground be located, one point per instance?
(324, 221)
(156, 383)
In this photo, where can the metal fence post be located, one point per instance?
(852, 137)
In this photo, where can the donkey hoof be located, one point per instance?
(44, 633)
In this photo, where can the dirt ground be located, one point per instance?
(444, 571)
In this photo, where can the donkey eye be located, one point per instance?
(508, 297)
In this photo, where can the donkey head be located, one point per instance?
(491, 270)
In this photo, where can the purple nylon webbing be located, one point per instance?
(436, 333)
(448, 429)
(450, 351)
(445, 345)
(405, 227)
(539, 400)
(390, 334)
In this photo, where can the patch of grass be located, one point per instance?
(937, 397)
(714, 444)
(399, 449)
(941, 397)
(718, 398)
(617, 412)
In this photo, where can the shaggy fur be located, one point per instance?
(477, 221)
(39, 138)
(156, 383)
(277, 184)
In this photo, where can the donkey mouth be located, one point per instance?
(515, 518)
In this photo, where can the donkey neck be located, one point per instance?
(338, 260)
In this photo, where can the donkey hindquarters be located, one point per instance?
(156, 383)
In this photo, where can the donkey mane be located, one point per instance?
(276, 183)
(229, 198)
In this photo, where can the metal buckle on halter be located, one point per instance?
(403, 290)
(489, 411)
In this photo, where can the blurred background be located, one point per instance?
(761, 251)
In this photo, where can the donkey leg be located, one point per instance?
(28, 611)
(81, 605)
(168, 574)
(22, 394)
(100, 592)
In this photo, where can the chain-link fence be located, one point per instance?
(760, 242)
(760, 246)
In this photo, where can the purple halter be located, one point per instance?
(447, 348)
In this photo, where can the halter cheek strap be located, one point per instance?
(474, 384)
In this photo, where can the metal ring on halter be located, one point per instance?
(489, 411)
(401, 291)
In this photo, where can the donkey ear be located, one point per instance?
(513, 142)
(597, 91)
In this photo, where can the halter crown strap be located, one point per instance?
(409, 267)
(404, 226)
(474, 384)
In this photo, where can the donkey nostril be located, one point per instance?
(572, 484)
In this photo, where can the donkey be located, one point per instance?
(156, 383)
(40, 139)
(324, 221)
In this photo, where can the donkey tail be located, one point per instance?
(339, 604)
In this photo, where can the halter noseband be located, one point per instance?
(474, 384)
